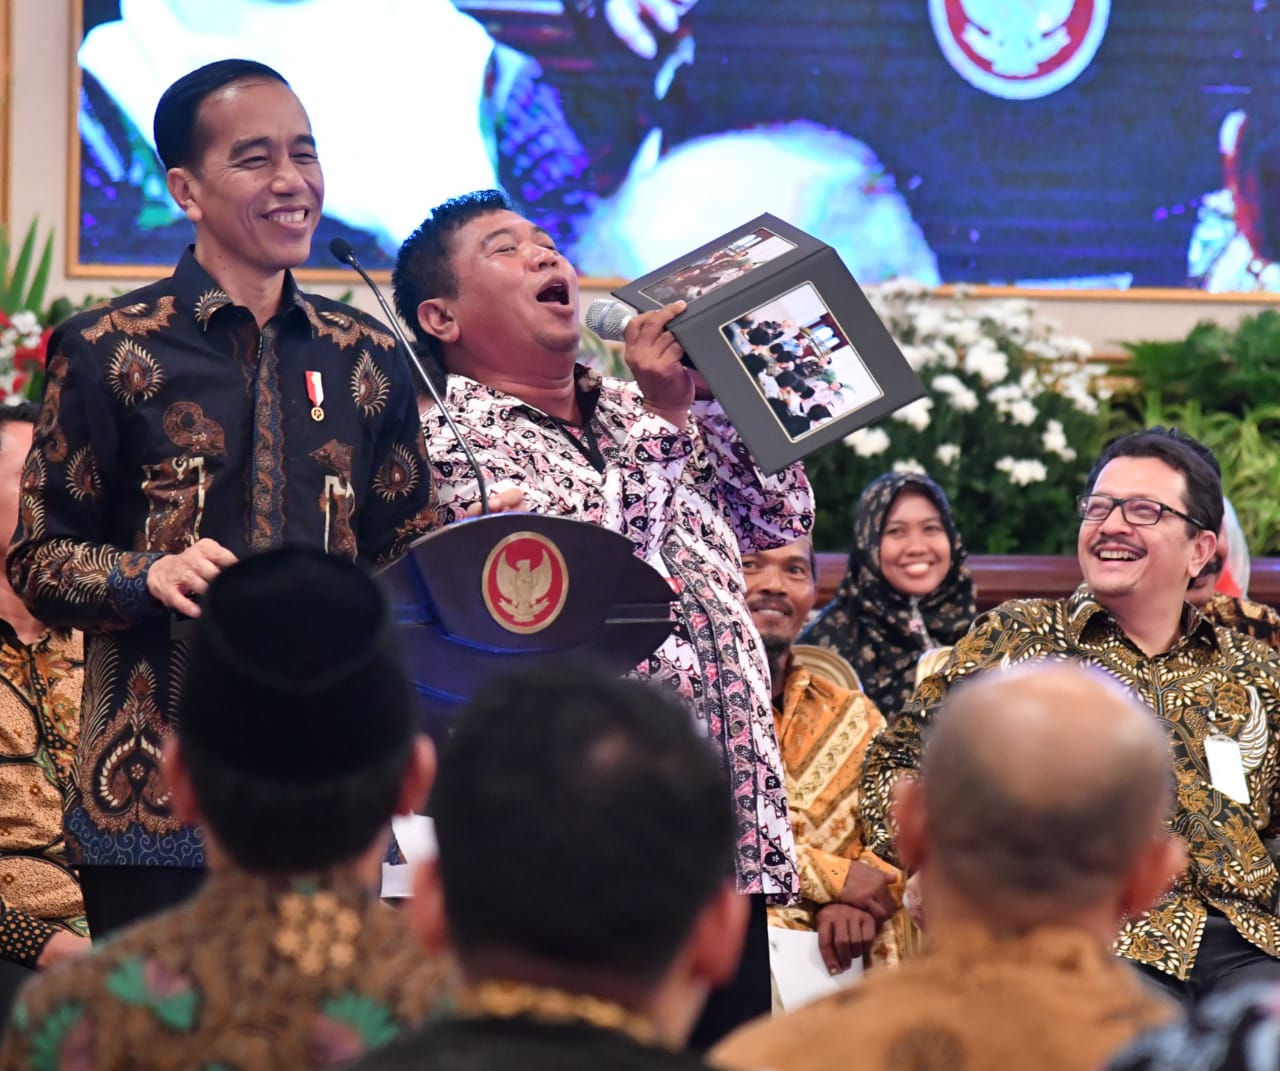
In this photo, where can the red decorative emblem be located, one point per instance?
(1019, 49)
(525, 582)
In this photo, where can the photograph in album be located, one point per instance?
(786, 339)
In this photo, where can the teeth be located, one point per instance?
(296, 216)
(1117, 556)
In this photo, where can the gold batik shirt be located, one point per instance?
(823, 732)
(1213, 680)
(1255, 619)
(39, 726)
(253, 973)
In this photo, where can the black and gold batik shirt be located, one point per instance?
(170, 417)
(1255, 619)
(1213, 680)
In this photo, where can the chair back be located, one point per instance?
(827, 662)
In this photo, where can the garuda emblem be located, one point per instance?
(1019, 49)
(525, 582)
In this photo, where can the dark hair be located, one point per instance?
(309, 825)
(601, 797)
(423, 269)
(178, 138)
(1180, 452)
(20, 412)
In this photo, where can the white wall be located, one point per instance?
(42, 54)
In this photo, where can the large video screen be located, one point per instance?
(1079, 144)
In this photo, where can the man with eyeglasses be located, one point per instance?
(1147, 527)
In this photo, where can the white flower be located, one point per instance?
(1023, 412)
(1055, 441)
(958, 396)
(910, 465)
(919, 357)
(867, 442)
(1023, 472)
(964, 332)
(987, 360)
(947, 356)
(916, 413)
(25, 322)
(928, 322)
(947, 453)
(1080, 397)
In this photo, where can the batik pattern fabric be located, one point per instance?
(251, 974)
(1211, 681)
(1255, 619)
(880, 631)
(169, 417)
(1234, 1030)
(823, 731)
(1049, 998)
(691, 500)
(39, 726)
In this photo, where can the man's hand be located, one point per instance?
(913, 900)
(173, 579)
(628, 19)
(868, 889)
(62, 946)
(844, 934)
(503, 498)
(653, 355)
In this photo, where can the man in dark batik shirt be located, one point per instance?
(215, 414)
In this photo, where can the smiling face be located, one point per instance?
(256, 192)
(516, 297)
(915, 551)
(780, 593)
(1151, 562)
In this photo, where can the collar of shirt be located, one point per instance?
(1085, 614)
(200, 296)
(464, 393)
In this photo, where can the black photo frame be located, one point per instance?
(784, 336)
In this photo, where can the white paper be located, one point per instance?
(416, 835)
(397, 881)
(1226, 767)
(798, 970)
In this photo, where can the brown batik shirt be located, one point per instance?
(169, 417)
(251, 974)
(39, 725)
(1213, 680)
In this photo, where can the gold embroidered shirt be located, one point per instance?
(1051, 999)
(823, 732)
(1255, 619)
(1213, 680)
(251, 974)
(39, 726)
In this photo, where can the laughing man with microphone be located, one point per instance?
(497, 306)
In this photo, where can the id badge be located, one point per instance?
(1226, 767)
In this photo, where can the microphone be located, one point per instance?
(608, 318)
(344, 252)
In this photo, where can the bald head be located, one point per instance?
(1042, 786)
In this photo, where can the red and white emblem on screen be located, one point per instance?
(1019, 49)
(525, 582)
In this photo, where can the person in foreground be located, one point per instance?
(492, 298)
(1018, 971)
(1147, 521)
(599, 794)
(42, 918)
(285, 958)
(217, 413)
(850, 897)
(907, 587)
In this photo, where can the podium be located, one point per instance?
(486, 595)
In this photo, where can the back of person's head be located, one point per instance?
(423, 267)
(608, 811)
(1044, 787)
(176, 126)
(1182, 453)
(296, 723)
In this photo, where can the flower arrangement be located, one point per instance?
(1012, 420)
(25, 322)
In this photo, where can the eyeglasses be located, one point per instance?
(1142, 512)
